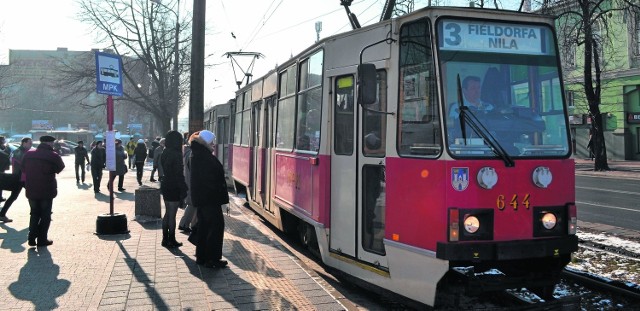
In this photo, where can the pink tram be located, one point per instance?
(417, 149)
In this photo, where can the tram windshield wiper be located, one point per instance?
(466, 116)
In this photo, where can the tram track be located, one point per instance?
(576, 291)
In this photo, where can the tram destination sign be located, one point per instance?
(493, 37)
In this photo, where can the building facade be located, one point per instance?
(620, 99)
(44, 93)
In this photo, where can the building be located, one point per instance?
(620, 99)
(45, 92)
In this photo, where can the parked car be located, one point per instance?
(65, 148)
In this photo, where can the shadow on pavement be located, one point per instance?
(13, 239)
(38, 280)
(114, 237)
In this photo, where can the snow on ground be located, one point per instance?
(608, 264)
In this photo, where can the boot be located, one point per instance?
(165, 237)
(172, 239)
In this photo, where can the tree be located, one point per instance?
(144, 34)
(7, 83)
(587, 23)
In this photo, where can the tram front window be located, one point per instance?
(508, 79)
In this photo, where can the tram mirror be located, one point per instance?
(367, 84)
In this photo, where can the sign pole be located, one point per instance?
(110, 118)
(109, 82)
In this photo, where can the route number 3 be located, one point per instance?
(514, 202)
(453, 38)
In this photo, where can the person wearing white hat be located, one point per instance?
(208, 194)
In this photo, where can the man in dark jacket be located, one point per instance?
(16, 177)
(99, 157)
(81, 154)
(172, 185)
(40, 167)
(141, 154)
(208, 194)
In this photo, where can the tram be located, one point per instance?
(418, 149)
(217, 119)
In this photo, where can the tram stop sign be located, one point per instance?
(108, 74)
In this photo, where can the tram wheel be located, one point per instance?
(306, 234)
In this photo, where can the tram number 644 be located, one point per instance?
(514, 202)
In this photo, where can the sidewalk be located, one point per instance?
(82, 271)
(619, 169)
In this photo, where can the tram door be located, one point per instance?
(257, 156)
(343, 167)
(371, 178)
(269, 130)
(357, 175)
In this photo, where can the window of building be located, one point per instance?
(568, 95)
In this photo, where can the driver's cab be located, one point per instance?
(513, 97)
(519, 106)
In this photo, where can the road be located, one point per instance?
(610, 201)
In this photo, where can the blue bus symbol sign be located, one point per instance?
(108, 76)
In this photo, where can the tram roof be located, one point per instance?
(434, 13)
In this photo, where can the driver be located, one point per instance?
(471, 92)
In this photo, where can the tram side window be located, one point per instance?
(375, 124)
(419, 126)
(373, 208)
(286, 109)
(246, 119)
(343, 115)
(238, 121)
(309, 104)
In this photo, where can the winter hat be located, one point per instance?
(47, 139)
(140, 141)
(207, 136)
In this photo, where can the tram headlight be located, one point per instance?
(549, 221)
(471, 224)
(487, 177)
(542, 177)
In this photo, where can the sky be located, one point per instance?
(277, 29)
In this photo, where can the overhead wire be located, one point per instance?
(263, 23)
(255, 28)
(226, 16)
(300, 23)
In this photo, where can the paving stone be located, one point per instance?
(134, 272)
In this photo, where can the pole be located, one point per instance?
(176, 73)
(196, 98)
(110, 127)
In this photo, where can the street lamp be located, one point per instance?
(175, 76)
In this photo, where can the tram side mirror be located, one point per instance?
(367, 84)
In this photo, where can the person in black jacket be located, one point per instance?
(81, 154)
(208, 194)
(172, 185)
(140, 153)
(98, 162)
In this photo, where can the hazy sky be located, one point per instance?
(275, 28)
